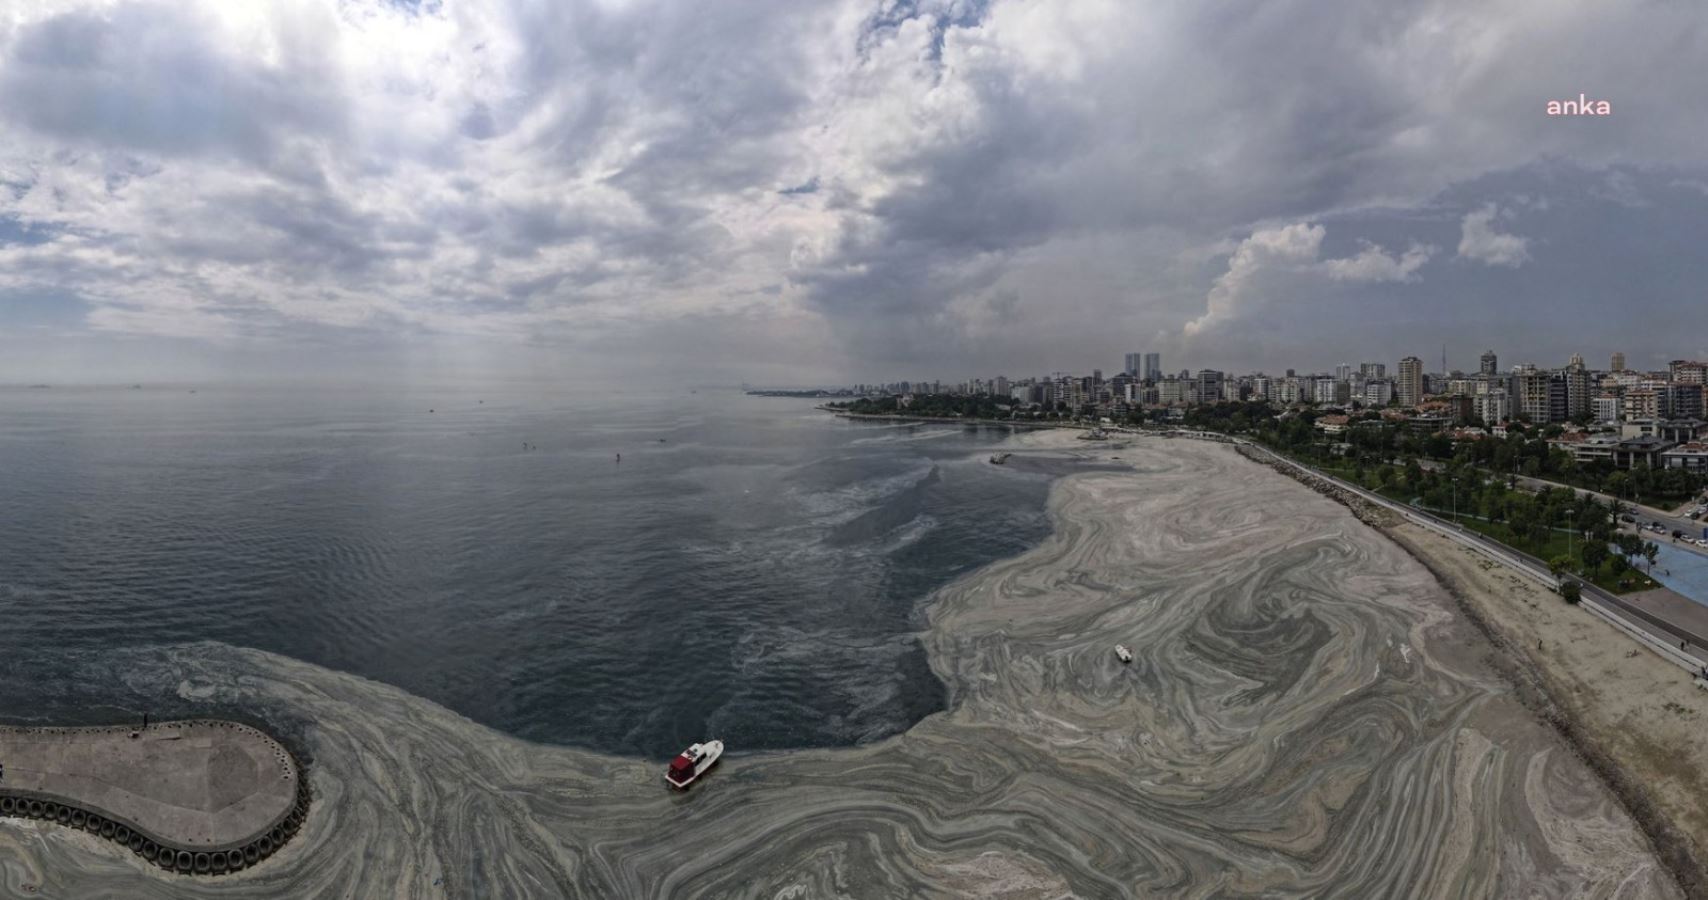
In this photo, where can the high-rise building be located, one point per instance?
(1135, 365)
(1684, 401)
(1608, 408)
(1410, 387)
(1689, 372)
(1372, 370)
(1209, 386)
(1488, 364)
(1539, 396)
(1378, 392)
(1578, 395)
(1492, 407)
(1153, 366)
(1343, 372)
(1576, 361)
(1642, 403)
(1618, 362)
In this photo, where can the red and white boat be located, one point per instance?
(692, 763)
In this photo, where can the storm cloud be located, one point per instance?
(799, 191)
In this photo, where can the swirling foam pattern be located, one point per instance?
(1305, 717)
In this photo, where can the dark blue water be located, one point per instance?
(752, 569)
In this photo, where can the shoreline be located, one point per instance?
(951, 420)
(1538, 683)
(1297, 679)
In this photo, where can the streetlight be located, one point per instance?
(1571, 514)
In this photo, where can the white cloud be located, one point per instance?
(1481, 242)
(1375, 264)
(1287, 246)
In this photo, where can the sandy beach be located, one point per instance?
(1310, 713)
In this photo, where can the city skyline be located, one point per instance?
(1365, 367)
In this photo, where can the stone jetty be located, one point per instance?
(203, 797)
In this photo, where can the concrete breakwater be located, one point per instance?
(203, 797)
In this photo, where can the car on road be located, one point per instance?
(1628, 518)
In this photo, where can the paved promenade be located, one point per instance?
(202, 796)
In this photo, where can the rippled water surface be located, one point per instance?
(751, 569)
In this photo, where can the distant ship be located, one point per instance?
(1123, 654)
(693, 762)
(998, 459)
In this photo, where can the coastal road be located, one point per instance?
(1667, 518)
(1671, 519)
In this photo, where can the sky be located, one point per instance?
(792, 192)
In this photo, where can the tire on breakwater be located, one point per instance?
(202, 862)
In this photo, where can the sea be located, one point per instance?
(623, 571)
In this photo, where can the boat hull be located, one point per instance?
(711, 752)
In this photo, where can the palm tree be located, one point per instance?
(1615, 510)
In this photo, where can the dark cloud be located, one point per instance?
(939, 184)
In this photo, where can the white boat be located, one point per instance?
(1123, 654)
(692, 763)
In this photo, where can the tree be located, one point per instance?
(1571, 591)
(1559, 565)
(1650, 551)
(1594, 553)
